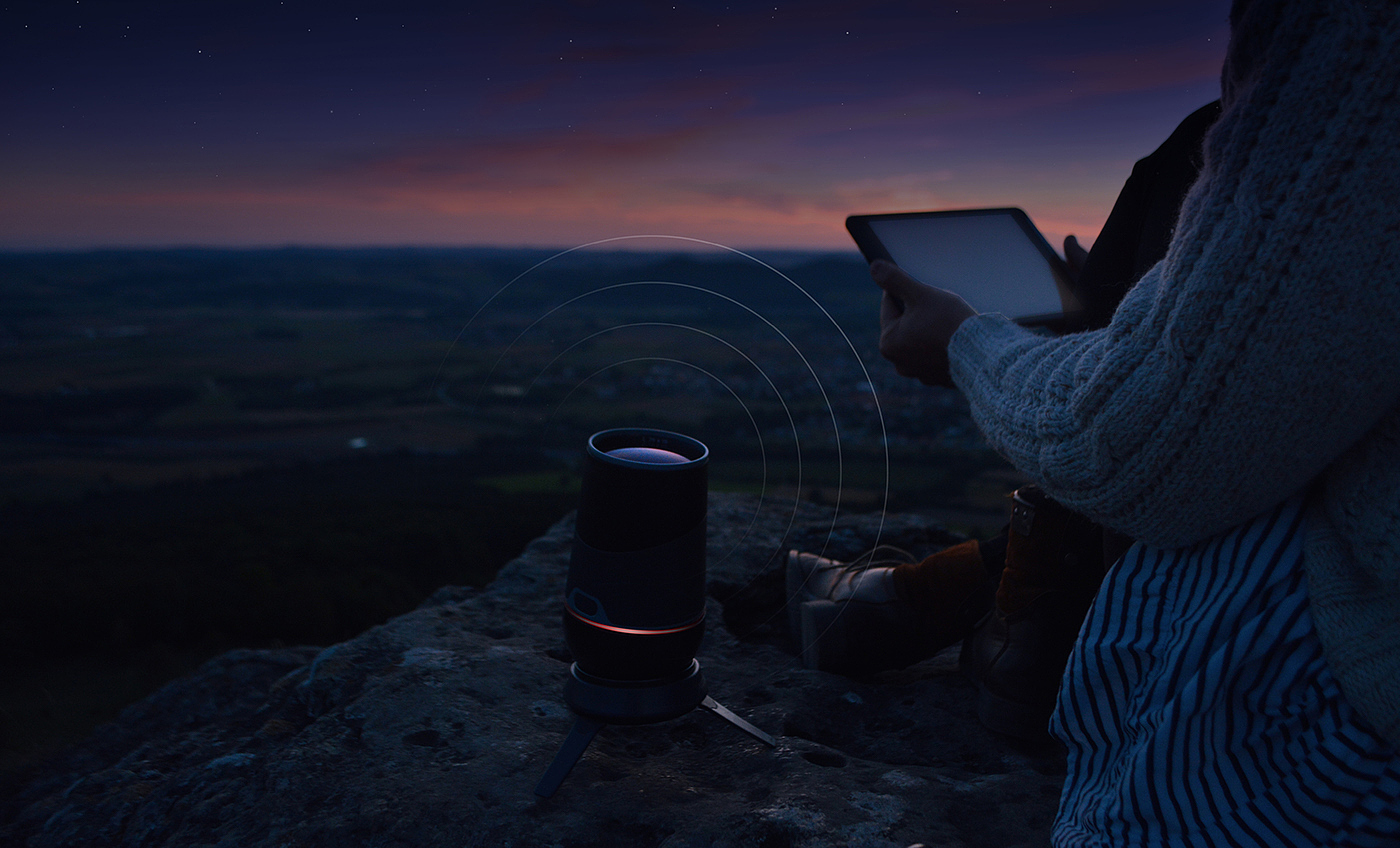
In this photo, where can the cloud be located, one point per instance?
(741, 213)
(543, 159)
(556, 122)
(780, 178)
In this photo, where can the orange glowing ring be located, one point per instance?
(631, 631)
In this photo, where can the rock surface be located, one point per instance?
(433, 729)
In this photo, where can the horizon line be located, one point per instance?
(682, 245)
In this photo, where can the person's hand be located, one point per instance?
(916, 323)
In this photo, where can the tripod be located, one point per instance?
(597, 701)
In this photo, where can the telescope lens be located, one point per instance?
(650, 456)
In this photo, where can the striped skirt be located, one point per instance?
(1198, 709)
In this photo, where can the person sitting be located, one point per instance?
(1018, 599)
(1237, 679)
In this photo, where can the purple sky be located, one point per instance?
(557, 123)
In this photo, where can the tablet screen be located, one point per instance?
(994, 258)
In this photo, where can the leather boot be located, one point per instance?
(883, 611)
(1016, 655)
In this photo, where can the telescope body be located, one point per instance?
(634, 603)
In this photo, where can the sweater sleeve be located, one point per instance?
(1268, 339)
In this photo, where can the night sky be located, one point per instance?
(557, 123)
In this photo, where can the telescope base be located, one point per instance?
(596, 703)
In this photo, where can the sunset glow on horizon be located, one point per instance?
(553, 124)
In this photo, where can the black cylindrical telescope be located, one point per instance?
(634, 604)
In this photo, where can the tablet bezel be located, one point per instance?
(1067, 320)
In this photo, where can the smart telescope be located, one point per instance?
(634, 602)
(634, 605)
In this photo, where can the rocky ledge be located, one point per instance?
(433, 729)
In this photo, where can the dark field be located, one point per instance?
(208, 449)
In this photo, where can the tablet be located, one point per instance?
(995, 259)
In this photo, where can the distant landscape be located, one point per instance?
(203, 449)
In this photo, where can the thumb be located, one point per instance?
(1075, 254)
(894, 280)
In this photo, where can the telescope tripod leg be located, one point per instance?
(575, 744)
(723, 712)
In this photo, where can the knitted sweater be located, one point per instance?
(1262, 354)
